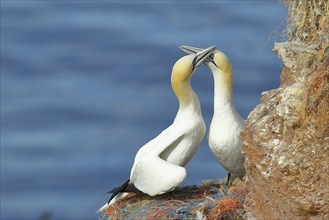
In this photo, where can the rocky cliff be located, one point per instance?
(286, 137)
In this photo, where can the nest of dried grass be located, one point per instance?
(214, 201)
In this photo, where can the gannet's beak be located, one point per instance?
(191, 50)
(202, 55)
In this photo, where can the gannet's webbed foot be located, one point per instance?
(228, 179)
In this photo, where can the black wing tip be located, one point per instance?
(118, 190)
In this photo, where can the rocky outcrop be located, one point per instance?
(286, 137)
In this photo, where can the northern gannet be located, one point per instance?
(159, 165)
(226, 125)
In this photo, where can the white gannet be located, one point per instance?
(226, 125)
(159, 165)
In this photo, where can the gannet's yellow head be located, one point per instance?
(221, 67)
(184, 68)
(218, 63)
(181, 76)
(218, 60)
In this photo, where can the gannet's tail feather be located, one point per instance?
(126, 187)
(118, 190)
(116, 195)
(119, 196)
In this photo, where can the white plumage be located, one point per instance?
(226, 125)
(159, 165)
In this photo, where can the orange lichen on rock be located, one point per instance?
(226, 209)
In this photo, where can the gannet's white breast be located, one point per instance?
(226, 125)
(224, 139)
(159, 165)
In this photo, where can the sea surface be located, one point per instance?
(85, 84)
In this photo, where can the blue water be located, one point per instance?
(84, 84)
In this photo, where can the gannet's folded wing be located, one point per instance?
(164, 142)
(153, 175)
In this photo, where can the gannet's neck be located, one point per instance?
(185, 94)
(181, 83)
(223, 87)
